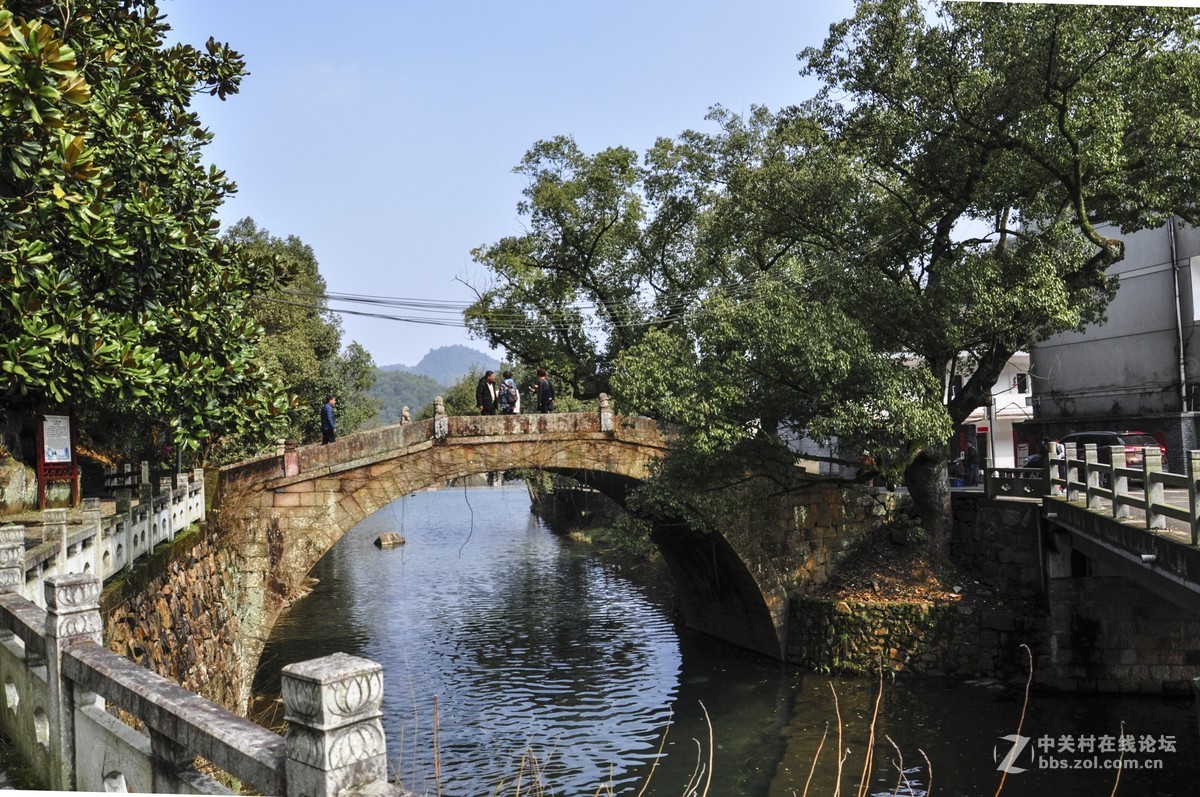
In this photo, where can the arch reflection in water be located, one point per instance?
(526, 642)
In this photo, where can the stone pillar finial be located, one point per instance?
(441, 424)
(405, 417)
(54, 528)
(334, 739)
(606, 414)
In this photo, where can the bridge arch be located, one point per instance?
(291, 508)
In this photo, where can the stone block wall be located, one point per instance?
(1109, 635)
(921, 638)
(998, 542)
(177, 617)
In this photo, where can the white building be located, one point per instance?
(1139, 370)
(993, 427)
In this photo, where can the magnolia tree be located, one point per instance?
(119, 297)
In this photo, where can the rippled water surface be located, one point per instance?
(530, 652)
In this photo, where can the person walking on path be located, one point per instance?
(485, 394)
(328, 427)
(544, 392)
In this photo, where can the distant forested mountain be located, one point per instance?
(399, 389)
(448, 364)
(416, 386)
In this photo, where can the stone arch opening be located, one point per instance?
(297, 505)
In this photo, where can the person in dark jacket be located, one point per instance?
(971, 458)
(485, 394)
(544, 392)
(328, 427)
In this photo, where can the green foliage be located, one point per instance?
(566, 292)
(395, 390)
(119, 298)
(301, 345)
(825, 270)
(988, 145)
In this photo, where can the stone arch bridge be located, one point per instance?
(286, 511)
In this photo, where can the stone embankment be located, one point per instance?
(176, 616)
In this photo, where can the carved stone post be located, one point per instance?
(92, 515)
(1073, 453)
(1091, 459)
(334, 738)
(72, 618)
(54, 527)
(441, 424)
(12, 559)
(1193, 470)
(405, 417)
(606, 414)
(1151, 467)
(291, 459)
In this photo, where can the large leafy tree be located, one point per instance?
(599, 264)
(941, 205)
(301, 348)
(118, 295)
(995, 143)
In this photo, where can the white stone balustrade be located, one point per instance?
(59, 681)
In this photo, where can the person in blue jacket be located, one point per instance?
(328, 427)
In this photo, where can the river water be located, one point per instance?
(516, 660)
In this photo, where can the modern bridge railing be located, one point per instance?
(59, 682)
(1112, 487)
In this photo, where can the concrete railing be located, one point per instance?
(103, 545)
(1111, 487)
(61, 685)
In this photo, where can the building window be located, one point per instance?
(1022, 383)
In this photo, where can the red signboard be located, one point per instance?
(56, 455)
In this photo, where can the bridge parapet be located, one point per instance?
(389, 442)
(59, 681)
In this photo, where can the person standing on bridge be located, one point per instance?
(485, 394)
(509, 400)
(328, 428)
(544, 392)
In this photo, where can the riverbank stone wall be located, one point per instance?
(920, 638)
(996, 545)
(176, 616)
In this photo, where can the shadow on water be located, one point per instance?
(530, 642)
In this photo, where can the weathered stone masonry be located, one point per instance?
(179, 617)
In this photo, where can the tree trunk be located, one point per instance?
(928, 483)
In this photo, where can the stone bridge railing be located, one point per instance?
(100, 545)
(62, 689)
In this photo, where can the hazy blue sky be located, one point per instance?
(383, 133)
